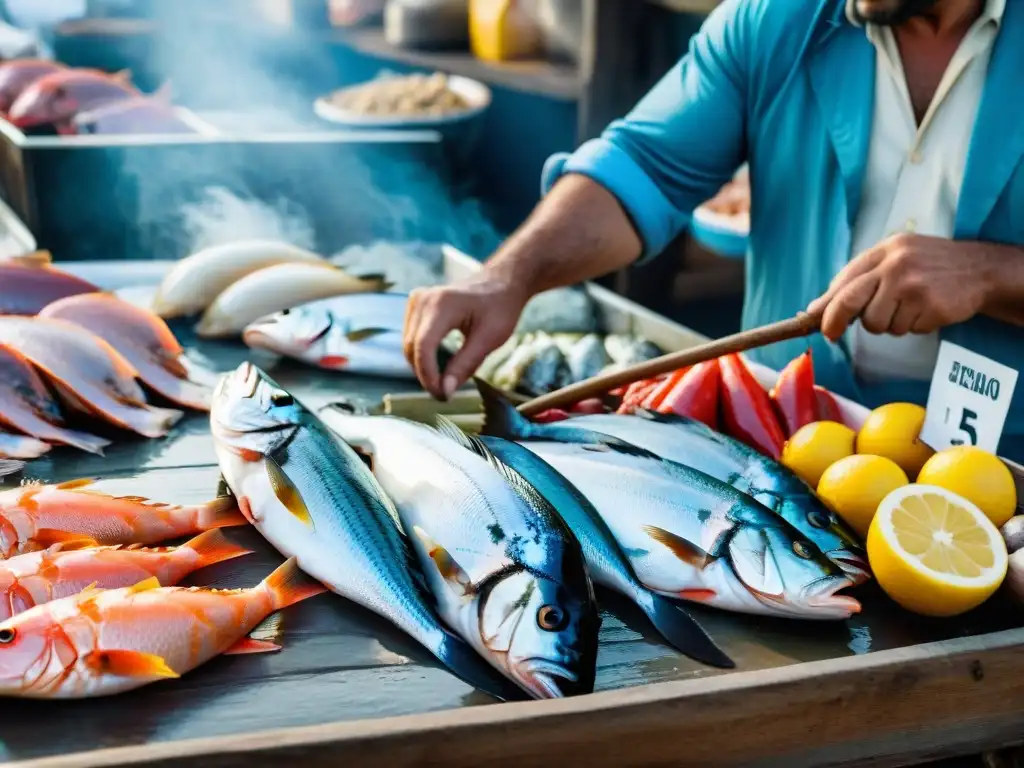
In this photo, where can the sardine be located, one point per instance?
(142, 338)
(29, 407)
(276, 288)
(21, 446)
(695, 445)
(687, 534)
(361, 333)
(89, 374)
(629, 350)
(311, 496)
(62, 571)
(506, 573)
(25, 288)
(587, 358)
(34, 517)
(607, 564)
(547, 371)
(195, 281)
(100, 642)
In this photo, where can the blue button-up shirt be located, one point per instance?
(788, 86)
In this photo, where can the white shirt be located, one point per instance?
(914, 173)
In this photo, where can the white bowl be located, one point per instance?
(476, 94)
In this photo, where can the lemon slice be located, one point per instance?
(934, 552)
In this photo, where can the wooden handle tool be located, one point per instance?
(793, 328)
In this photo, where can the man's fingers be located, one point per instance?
(857, 266)
(905, 318)
(880, 311)
(467, 360)
(410, 326)
(847, 305)
(433, 326)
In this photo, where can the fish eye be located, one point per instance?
(7, 636)
(282, 399)
(802, 550)
(286, 311)
(819, 519)
(551, 618)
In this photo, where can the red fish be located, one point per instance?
(25, 288)
(747, 410)
(794, 396)
(695, 394)
(56, 98)
(17, 75)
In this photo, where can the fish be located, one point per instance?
(56, 98)
(560, 310)
(587, 358)
(140, 115)
(629, 350)
(102, 642)
(143, 339)
(21, 446)
(26, 288)
(511, 372)
(312, 497)
(686, 534)
(506, 573)
(275, 288)
(89, 375)
(10, 467)
(489, 367)
(688, 442)
(195, 281)
(359, 333)
(64, 570)
(34, 517)
(19, 74)
(548, 370)
(606, 562)
(29, 407)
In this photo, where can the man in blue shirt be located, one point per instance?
(884, 140)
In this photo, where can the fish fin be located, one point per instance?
(453, 431)
(144, 586)
(682, 631)
(636, 552)
(129, 664)
(270, 629)
(375, 282)
(46, 537)
(470, 667)
(74, 544)
(10, 467)
(362, 334)
(456, 578)
(501, 419)
(122, 76)
(33, 259)
(247, 645)
(698, 595)
(289, 585)
(332, 362)
(71, 485)
(164, 94)
(287, 493)
(681, 548)
(214, 547)
(221, 512)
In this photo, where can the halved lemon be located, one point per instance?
(934, 552)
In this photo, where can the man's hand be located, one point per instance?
(485, 308)
(915, 284)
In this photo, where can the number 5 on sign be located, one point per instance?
(968, 401)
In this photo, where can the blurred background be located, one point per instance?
(339, 122)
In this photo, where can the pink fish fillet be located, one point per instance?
(89, 373)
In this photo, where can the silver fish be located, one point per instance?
(607, 563)
(695, 445)
(548, 370)
(587, 358)
(489, 367)
(687, 534)
(10, 467)
(629, 350)
(505, 572)
(357, 333)
(314, 499)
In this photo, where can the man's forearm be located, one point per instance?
(578, 232)
(1004, 265)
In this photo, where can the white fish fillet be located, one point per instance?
(194, 282)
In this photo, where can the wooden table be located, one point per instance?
(348, 689)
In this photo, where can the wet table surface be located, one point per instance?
(341, 662)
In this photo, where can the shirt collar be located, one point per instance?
(993, 11)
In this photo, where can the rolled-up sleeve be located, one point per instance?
(685, 138)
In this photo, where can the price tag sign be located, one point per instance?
(968, 401)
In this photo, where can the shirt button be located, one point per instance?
(911, 225)
(916, 157)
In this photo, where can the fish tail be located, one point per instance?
(83, 441)
(214, 547)
(149, 421)
(467, 665)
(10, 467)
(501, 419)
(682, 631)
(289, 585)
(222, 512)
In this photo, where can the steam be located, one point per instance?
(221, 217)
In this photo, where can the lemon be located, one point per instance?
(976, 475)
(934, 552)
(892, 431)
(813, 447)
(854, 487)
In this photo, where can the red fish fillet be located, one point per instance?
(25, 288)
(86, 371)
(143, 338)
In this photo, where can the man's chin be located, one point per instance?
(890, 13)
